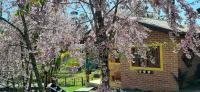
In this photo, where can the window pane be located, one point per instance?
(151, 59)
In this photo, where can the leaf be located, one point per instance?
(41, 2)
(64, 54)
(58, 61)
(21, 12)
(17, 13)
(27, 7)
(33, 1)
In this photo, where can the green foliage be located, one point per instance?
(71, 62)
(41, 2)
(18, 13)
(27, 7)
(58, 62)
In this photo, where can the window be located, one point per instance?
(151, 59)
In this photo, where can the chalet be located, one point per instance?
(159, 71)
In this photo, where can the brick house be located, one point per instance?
(156, 73)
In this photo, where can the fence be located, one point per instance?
(78, 81)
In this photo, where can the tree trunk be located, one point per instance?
(46, 79)
(87, 77)
(35, 69)
(104, 69)
(87, 66)
(30, 82)
(103, 50)
(31, 55)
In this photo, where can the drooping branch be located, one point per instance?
(11, 24)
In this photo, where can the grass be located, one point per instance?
(77, 76)
(71, 88)
(70, 80)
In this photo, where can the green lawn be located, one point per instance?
(70, 80)
(71, 88)
(77, 76)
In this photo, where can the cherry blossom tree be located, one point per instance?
(39, 37)
(10, 59)
(112, 24)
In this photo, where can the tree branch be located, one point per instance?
(93, 14)
(85, 22)
(86, 14)
(114, 7)
(72, 2)
(91, 5)
(19, 30)
(63, 2)
(115, 13)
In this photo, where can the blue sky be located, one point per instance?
(5, 5)
(182, 14)
(196, 6)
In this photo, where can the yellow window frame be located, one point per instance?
(150, 68)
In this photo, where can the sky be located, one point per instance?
(196, 6)
(5, 6)
(182, 14)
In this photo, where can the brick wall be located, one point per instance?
(159, 81)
